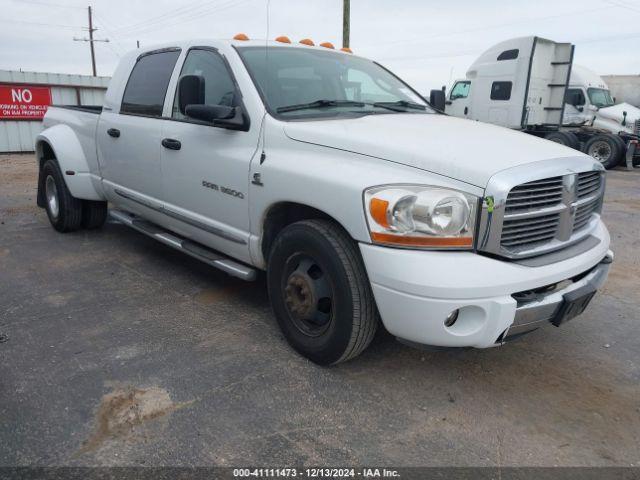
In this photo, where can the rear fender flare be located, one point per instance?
(74, 166)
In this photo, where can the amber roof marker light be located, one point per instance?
(327, 45)
(346, 49)
(307, 41)
(241, 36)
(283, 39)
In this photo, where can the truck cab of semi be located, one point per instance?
(589, 102)
(530, 84)
(363, 205)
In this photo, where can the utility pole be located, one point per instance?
(345, 23)
(91, 40)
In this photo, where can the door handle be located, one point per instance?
(171, 144)
(113, 132)
(466, 110)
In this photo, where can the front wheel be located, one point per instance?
(64, 210)
(320, 293)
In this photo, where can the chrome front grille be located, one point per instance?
(588, 183)
(535, 195)
(636, 127)
(516, 233)
(526, 218)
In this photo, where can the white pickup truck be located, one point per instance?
(360, 201)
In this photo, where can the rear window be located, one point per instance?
(501, 90)
(148, 82)
(509, 55)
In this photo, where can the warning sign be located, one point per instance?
(24, 102)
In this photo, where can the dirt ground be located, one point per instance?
(117, 350)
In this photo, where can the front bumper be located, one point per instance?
(416, 290)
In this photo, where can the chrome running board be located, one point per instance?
(195, 250)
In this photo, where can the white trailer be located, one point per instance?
(522, 84)
(624, 88)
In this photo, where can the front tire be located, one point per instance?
(64, 211)
(320, 293)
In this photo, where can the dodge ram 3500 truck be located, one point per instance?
(360, 201)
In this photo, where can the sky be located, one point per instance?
(428, 43)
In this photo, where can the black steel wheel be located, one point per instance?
(320, 293)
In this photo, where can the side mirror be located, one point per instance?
(190, 92)
(437, 99)
(232, 118)
(580, 108)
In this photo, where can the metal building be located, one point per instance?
(25, 97)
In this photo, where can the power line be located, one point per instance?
(623, 5)
(490, 27)
(475, 52)
(58, 5)
(41, 24)
(196, 16)
(107, 28)
(171, 14)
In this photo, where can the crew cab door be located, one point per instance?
(206, 168)
(458, 102)
(129, 138)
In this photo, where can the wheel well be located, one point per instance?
(44, 153)
(283, 214)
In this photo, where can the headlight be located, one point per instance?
(421, 216)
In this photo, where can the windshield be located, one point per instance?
(600, 97)
(298, 83)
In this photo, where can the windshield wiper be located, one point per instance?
(320, 104)
(400, 105)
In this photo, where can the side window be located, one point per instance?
(575, 97)
(148, 82)
(501, 90)
(509, 55)
(460, 90)
(219, 87)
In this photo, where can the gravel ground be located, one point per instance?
(121, 351)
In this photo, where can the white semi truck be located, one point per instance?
(360, 201)
(529, 84)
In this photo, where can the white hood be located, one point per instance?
(615, 112)
(462, 149)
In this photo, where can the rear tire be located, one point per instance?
(604, 148)
(64, 210)
(567, 139)
(94, 214)
(623, 149)
(320, 293)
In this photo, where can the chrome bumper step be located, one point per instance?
(193, 249)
